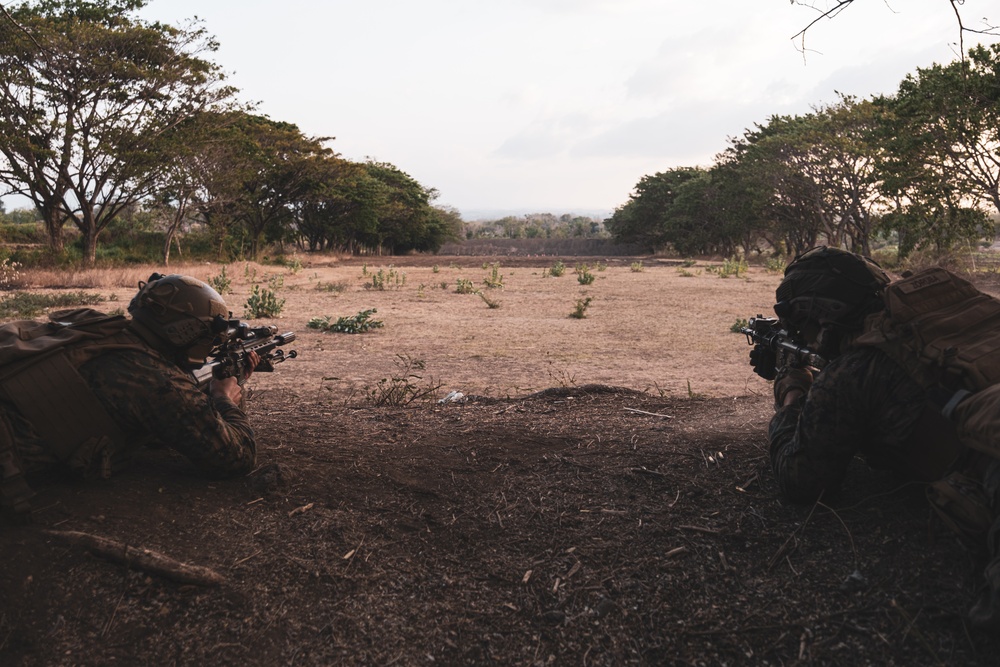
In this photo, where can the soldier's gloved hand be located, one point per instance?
(226, 388)
(789, 380)
(763, 360)
(254, 360)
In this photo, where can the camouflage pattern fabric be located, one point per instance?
(155, 403)
(862, 403)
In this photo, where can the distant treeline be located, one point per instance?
(522, 247)
(537, 226)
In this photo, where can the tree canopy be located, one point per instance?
(92, 96)
(103, 111)
(920, 167)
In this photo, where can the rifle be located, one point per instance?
(770, 340)
(231, 359)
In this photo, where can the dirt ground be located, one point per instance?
(601, 496)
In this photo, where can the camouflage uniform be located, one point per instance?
(155, 403)
(861, 403)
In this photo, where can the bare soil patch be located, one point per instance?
(602, 497)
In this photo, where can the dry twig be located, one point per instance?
(140, 558)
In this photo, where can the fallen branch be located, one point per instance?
(651, 414)
(140, 558)
(784, 546)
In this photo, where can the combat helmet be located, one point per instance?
(188, 316)
(834, 288)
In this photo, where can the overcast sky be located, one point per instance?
(556, 105)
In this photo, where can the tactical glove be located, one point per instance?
(763, 360)
(791, 379)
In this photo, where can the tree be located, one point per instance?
(642, 218)
(842, 161)
(276, 167)
(940, 155)
(338, 209)
(92, 93)
(946, 120)
(245, 175)
(769, 163)
(406, 219)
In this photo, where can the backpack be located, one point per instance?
(946, 334)
(39, 377)
(25, 339)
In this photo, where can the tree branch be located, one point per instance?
(139, 558)
(841, 5)
(20, 27)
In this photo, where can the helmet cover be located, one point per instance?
(832, 287)
(185, 312)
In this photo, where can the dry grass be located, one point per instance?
(665, 330)
(99, 278)
(660, 330)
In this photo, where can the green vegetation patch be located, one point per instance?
(354, 324)
(27, 304)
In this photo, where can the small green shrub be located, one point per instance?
(734, 266)
(387, 279)
(775, 264)
(221, 283)
(355, 324)
(495, 279)
(739, 324)
(464, 286)
(636, 267)
(9, 273)
(580, 310)
(584, 276)
(557, 269)
(264, 302)
(693, 394)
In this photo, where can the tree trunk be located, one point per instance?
(53, 228)
(89, 247)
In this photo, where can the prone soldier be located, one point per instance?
(884, 397)
(86, 389)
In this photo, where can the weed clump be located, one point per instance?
(406, 385)
(580, 310)
(354, 324)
